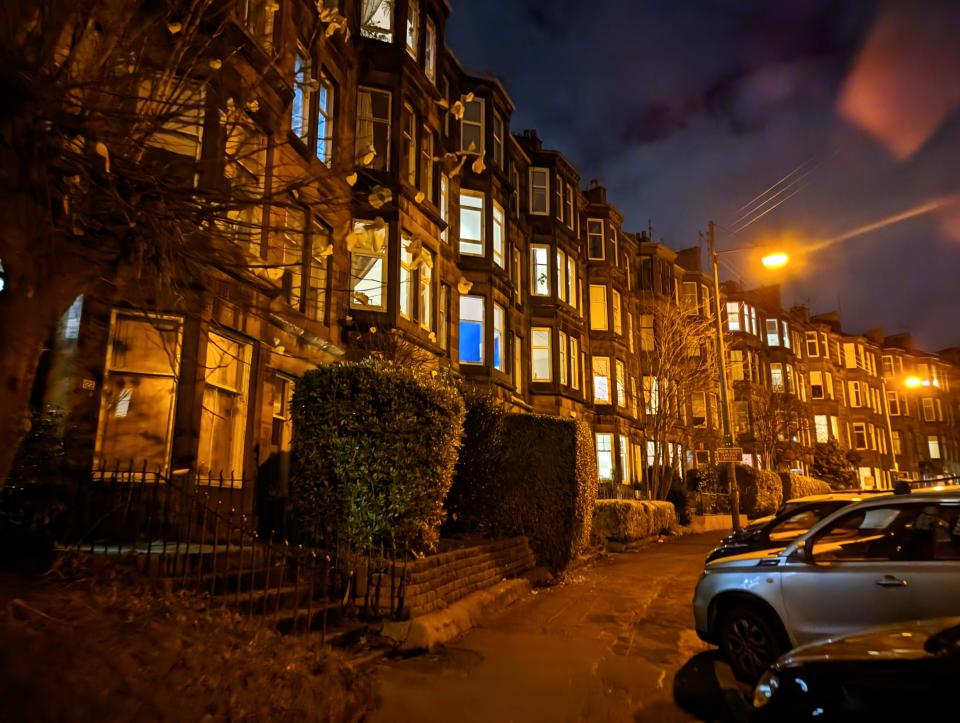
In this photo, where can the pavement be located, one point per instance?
(607, 644)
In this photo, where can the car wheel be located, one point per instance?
(749, 641)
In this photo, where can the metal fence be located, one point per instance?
(201, 533)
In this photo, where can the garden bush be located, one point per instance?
(629, 520)
(374, 448)
(681, 501)
(533, 475)
(798, 485)
(761, 492)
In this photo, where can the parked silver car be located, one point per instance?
(880, 561)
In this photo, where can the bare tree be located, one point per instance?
(683, 362)
(778, 420)
(103, 170)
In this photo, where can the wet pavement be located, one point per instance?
(606, 645)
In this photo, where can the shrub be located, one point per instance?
(373, 453)
(798, 485)
(832, 464)
(680, 499)
(476, 478)
(628, 520)
(536, 476)
(761, 492)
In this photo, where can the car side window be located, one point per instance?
(946, 533)
(873, 534)
(794, 525)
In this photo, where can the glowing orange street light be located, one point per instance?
(912, 382)
(775, 260)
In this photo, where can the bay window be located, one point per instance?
(499, 334)
(373, 127)
(541, 354)
(540, 270)
(471, 329)
(601, 379)
(598, 307)
(539, 191)
(605, 456)
(223, 418)
(471, 223)
(368, 259)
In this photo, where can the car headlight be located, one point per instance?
(765, 689)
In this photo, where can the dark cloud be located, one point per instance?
(687, 110)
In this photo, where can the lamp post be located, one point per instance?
(728, 432)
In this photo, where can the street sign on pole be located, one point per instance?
(729, 454)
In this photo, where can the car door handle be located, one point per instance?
(891, 581)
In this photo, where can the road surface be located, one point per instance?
(603, 646)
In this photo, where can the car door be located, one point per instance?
(935, 569)
(854, 573)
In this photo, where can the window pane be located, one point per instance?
(542, 360)
(471, 329)
(367, 265)
(223, 417)
(498, 336)
(376, 20)
(471, 224)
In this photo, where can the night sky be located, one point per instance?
(687, 110)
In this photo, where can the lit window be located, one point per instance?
(257, 17)
(406, 290)
(574, 363)
(896, 443)
(822, 429)
(646, 332)
(773, 332)
(541, 355)
(413, 28)
(426, 164)
(518, 363)
(617, 313)
(302, 96)
(139, 391)
(651, 394)
(499, 334)
(933, 446)
(816, 385)
(621, 384)
(408, 145)
(471, 128)
(856, 394)
(776, 377)
(425, 272)
(430, 52)
(595, 238)
(572, 281)
(563, 349)
(316, 301)
(629, 331)
(325, 125)
(688, 296)
(223, 418)
(518, 275)
(498, 234)
(373, 127)
(624, 459)
(444, 206)
(442, 307)
(813, 348)
(539, 191)
(471, 329)
(733, 316)
(598, 307)
(471, 223)
(605, 455)
(736, 365)
(294, 231)
(376, 20)
(540, 270)
(699, 409)
(601, 379)
(368, 266)
(893, 404)
(243, 172)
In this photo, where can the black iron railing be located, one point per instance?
(200, 532)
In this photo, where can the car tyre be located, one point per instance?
(749, 641)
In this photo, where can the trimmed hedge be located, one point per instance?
(526, 474)
(629, 520)
(373, 453)
(761, 492)
(798, 485)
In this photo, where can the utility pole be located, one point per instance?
(728, 432)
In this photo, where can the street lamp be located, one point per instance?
(775, 260)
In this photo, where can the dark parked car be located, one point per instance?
(794, 518)
(895, 672)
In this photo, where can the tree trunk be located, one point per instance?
(22, 336)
